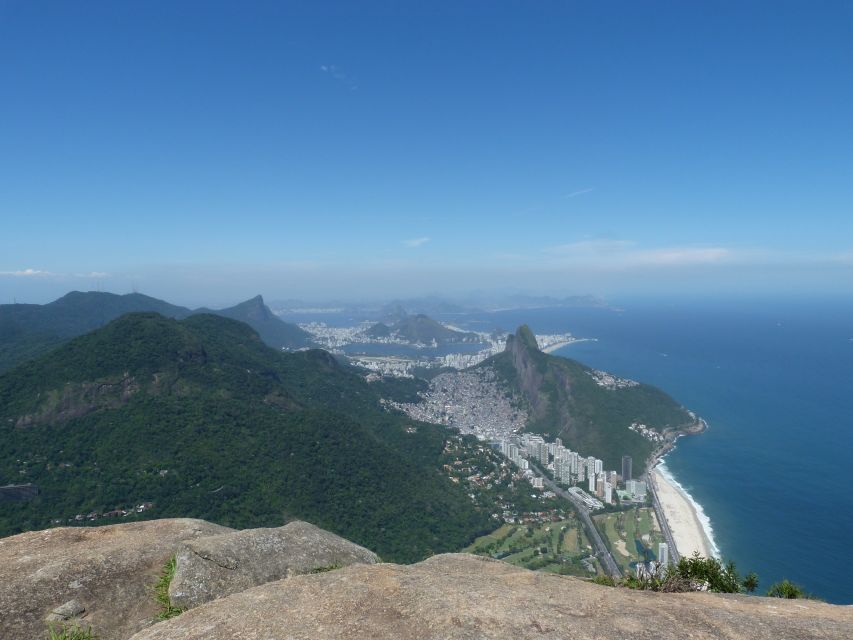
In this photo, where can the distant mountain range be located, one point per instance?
(564, 399)
(390, 312)
(28, 330)
(420, 329)
(202, 419)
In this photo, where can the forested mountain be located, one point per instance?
(28, 330)
(420, 329)
(202, 419)
(566, 399)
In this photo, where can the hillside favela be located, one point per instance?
(443, 321)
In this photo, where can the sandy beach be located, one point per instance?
(682, 518)
(564, 343)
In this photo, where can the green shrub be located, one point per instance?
(786, 589)
(750, 582)
(607, 581)
(161, 591)
(706, 574)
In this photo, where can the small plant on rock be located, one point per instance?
(70, 632)
(161, 591)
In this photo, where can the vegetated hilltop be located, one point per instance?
(421, 329)
(564, 400)
(202, 419)
(28, 330)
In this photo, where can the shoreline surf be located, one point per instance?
(693, 529)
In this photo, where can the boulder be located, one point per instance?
(101, 577)
(217, 566)
(458, 596)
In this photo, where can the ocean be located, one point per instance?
(774, 380)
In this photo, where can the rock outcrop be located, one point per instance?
(101, 577)
(104, 577)
(459, 596)
(217, 566)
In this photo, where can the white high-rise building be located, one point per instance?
(592, 483)
(608, 493)
(663, 553)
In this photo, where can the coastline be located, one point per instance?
(690, 526)
(565, 343)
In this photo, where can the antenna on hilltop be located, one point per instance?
(134, 287)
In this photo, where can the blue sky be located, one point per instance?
(208, 151)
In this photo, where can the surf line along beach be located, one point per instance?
(690, 527)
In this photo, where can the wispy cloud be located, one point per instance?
(580, 192)
(27, 273)
(416, 242)
(42, 273)
(338, 74)
(621, 254)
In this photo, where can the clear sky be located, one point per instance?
(207, 151)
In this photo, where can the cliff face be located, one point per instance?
(104, 578)
(530, 368)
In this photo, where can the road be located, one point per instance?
(664, 525)
(601, 551)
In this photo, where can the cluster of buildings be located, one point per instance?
(492, 483)
(568, 467)
(647, 432)
(471, 401)
(573, 469)
(115, 513)
(609, 381)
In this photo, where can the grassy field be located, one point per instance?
(559, 547)
(632, 536)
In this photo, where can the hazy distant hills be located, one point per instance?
(420, 329)
(564, 400)
(28, 330)
(201, 418)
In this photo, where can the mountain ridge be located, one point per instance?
(29, 330)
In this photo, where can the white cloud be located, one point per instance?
(622, 254)
(27, 273)
(92, 274)
(580, 192)
(590, 247)
(338, 74)
(416, 242)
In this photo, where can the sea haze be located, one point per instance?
(775, 382)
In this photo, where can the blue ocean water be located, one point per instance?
(774, 380)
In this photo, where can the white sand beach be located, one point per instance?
(682, 518)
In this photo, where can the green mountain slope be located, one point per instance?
(564, 400)
(272, 329)
(202, 419)
(29, 330)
